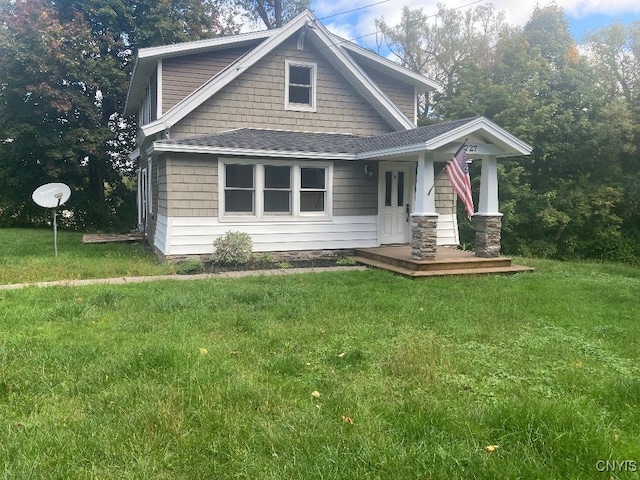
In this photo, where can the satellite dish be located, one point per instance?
(51, 195)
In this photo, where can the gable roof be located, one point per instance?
(147, 59)
(386, 66)
(282, 143)
(331, 48)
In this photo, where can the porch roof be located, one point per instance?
(284, 143)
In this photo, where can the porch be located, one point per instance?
(449, 261)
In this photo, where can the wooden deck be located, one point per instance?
(112, 237)
(449, 261)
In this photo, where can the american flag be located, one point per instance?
(458, 172)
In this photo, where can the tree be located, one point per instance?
(614, 52)
(444, 46)
(273, 13)
(576, 195)
(51, 102)
(62, 91)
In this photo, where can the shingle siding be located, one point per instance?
(445, 196)
(183, 75)
(402, 94)
(353, 192)
(256, 99)
(193, 184)
(193, 192)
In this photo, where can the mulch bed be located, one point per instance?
(210, 267)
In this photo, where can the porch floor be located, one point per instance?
(449, 261)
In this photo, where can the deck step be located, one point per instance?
(475, 269)
(463, 263)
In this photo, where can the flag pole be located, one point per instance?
(445, 166)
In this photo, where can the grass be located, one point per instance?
(27, 255)
(335, 375)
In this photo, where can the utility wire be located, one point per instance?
(354, 10)
(410, 23)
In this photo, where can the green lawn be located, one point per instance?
(27, 255)
(334, 375)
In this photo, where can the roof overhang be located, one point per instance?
(147, 59)
(158, 147)
(505, 144)
(388, 67)
(485, 138)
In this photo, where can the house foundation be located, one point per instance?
(424, 236)
(488, 235)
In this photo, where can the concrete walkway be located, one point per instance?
(155, 278)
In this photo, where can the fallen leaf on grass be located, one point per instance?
(347, 420)
(491, 448)
(203, 351)
(315, 394)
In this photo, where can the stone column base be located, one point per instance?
(424, 237)
(488, 234)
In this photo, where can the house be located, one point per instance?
(301, 139)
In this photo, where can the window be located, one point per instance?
(273, 190)
(312, 189)
(239, 189)
(277, 189)
(300, 88)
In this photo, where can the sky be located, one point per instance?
(583, 15)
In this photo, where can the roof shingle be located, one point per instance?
(318, 143)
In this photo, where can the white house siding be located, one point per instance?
(195, 235)
(447, 230)
(256, 99)
(161, 232)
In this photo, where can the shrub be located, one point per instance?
(233, 248)
(189, 266)
(346, 262)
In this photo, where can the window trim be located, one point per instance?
(259, 215)
(300, 107)
(150, 184)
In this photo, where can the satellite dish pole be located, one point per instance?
(52, 195)
(57, 195)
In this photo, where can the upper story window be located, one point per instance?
(148, 111)
(300, 88)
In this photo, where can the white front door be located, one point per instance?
(395, 189)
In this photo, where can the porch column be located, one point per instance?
(424, 219)
(488, 220)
